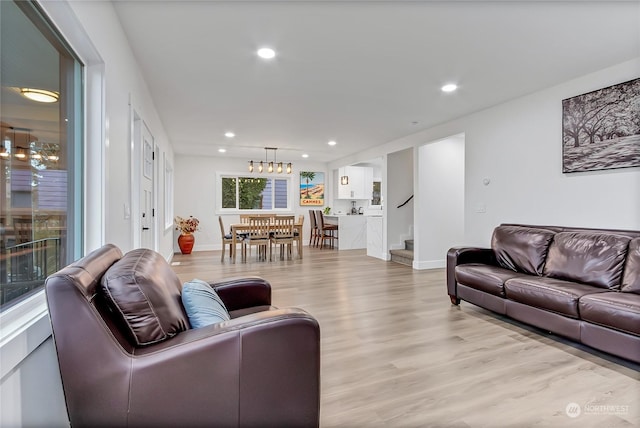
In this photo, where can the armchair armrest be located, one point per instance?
(259, 369)
(462, 255)
(245, 292)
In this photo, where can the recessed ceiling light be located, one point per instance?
(450, 87)
(229, 134)
(305, 155)
(222, 150)
(332, 143)
(266, 53)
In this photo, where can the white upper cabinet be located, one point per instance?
(355, 182)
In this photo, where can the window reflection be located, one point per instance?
(38, 178)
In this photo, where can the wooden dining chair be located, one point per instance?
(258, 235)
(227, 238)
(326, 231)
(298, 232)
(313, 235)
(282, 234)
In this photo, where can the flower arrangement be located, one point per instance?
(186, 225)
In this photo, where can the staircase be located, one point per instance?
(405, 256)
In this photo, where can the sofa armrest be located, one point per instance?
(462, 255)
(263, 367)
(245, 292)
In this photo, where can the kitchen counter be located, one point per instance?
(352, 230)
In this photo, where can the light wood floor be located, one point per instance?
(396, 353)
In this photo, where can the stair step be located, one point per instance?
(404, 257)
(408, 244)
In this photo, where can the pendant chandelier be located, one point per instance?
(20, 144)
(270, 166)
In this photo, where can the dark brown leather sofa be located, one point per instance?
(583, 284)
(260, 369)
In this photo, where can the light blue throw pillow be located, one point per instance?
(202, 304)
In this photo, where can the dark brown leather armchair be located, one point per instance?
(260, 369)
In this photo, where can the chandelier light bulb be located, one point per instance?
(271, 165)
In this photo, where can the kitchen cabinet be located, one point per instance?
(360, 182)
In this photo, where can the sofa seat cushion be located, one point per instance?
(551, 294)
(594, 258)
(520, 248)
(620, 311)
(489, 279)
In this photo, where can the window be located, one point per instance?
(254, 193)
(40, 152)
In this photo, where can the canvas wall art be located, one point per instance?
(601, 129)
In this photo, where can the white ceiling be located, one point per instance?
(357, 72)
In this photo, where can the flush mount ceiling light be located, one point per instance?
(40, 95)
(305, 155)
(332, 143)
(222, 150)
(266, 53)
(229, 134)
(271, 165)
(450, 87)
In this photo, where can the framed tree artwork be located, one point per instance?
(311, 189)
(601, 129)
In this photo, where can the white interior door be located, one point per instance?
(147, 206)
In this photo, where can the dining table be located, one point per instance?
(239, 228)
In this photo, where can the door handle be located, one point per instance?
(145, 228)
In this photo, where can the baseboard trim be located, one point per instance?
(429, 264)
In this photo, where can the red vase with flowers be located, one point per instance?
(186, 226)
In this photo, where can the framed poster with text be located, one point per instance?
(311, 189)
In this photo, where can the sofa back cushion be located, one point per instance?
(631, 277)
(143, 289)
(521, 249)
(588, 257)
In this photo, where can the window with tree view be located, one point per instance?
(254, 193)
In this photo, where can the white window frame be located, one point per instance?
(218, 191)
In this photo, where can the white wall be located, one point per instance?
(399, 187)
(32, 395)
(196, 192)
(439, 202)
(518, 146)
(124, 89)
